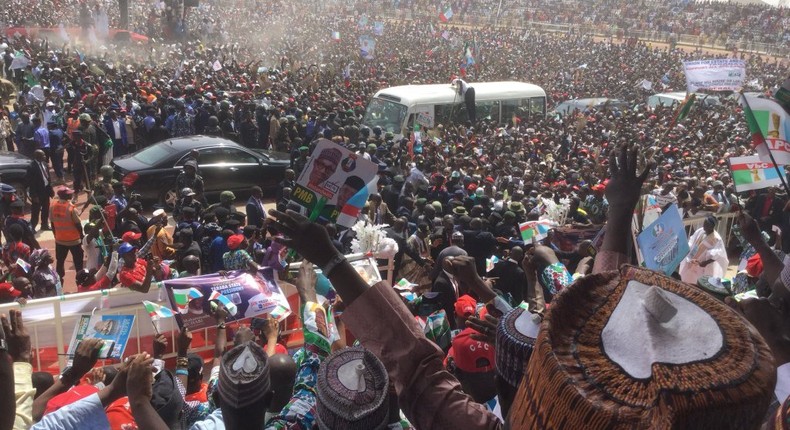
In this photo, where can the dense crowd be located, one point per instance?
(476, 290)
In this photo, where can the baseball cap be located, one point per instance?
(470, 355)
(125, 248)
(465, 306)
(130, 236)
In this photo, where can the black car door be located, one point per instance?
(242, 169)
(215, 169)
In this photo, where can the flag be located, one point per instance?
(446, 35)
(182, 298)
(280, 313)
(769, 124)
(363, 21)
(491, 262)
(683, 110)
(447, 14)
(336, 36)
(404, 284)
(156, 311)
(230, 306)
(378, 28)
(468, 55)
(751, 173)
(433, 30)
(665, 78)
(217, 66)
(24, 265)
(350, 211)
(646, 85)
(534, 229)
(367, 47)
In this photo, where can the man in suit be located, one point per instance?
(512, 278)
(256, 214)
(40, 189)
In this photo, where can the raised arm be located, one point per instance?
(623, 193)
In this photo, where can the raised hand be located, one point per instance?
(16, 336)
(139, 381)
(306, 237)
(305, 283)
(625, 186)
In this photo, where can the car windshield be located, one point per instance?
(154, 153)
(385, 114)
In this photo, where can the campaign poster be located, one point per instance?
(333, 173)
(663, 243)
(252, 294)
(113, 330)
(725, 74)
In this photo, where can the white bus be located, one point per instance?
(397, 109)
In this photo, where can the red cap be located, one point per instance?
(472, 187)
(465, 306)
(130, 236)
(489, 179)
(8, 290)
(754, 266)
(469, 355)
(235, 240)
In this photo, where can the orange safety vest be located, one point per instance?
(71, 125)
(62, 221)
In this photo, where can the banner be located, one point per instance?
(726, 74)
(537, 230)
(663, 243)
(367, 47)
(333, 173)
(378, 28)
(774, 124)
(253, 294)
(751, 173)
(113, 330)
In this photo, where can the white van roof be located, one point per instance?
(444, 93)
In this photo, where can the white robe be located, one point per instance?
(704, 247)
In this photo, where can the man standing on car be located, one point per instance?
(468, 93)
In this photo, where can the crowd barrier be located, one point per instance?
(724, 226)
(50, 321)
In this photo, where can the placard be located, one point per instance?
(113, 330)
(253, 294)
(334, 173)
(664, 243)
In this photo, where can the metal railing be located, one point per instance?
(50, 321)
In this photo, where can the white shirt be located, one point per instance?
(463, 85)
(117, 127)
(91, 249)
(782, 389)
(44, 172)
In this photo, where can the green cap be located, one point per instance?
(227, 196)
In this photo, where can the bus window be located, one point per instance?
(385, 114)
(442, 114)
(513, 107)
(488, 110)
(537, 106)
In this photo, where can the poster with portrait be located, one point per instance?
(663, 243)
(333, 173)
(113, 330)
(253, 294)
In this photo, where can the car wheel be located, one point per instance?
(21, 191)
(167, 198)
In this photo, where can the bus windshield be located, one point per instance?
(385, 114)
